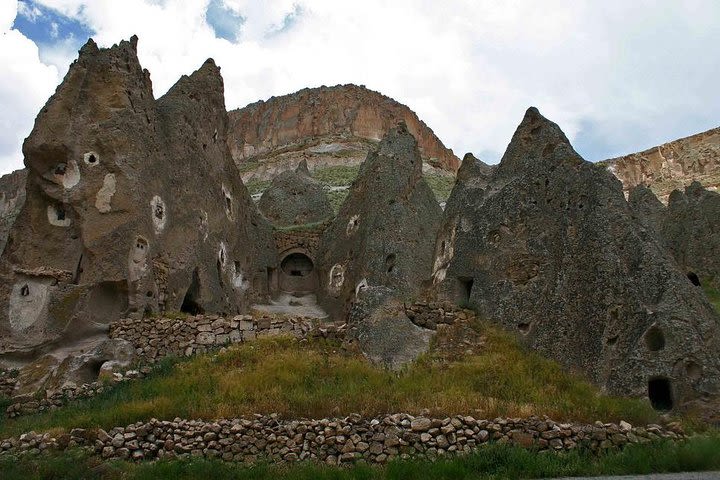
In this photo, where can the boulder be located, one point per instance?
(295, 198)
(548, 247)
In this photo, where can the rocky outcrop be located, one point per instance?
(688, 226)
(133, 205)
(673, 165)
(336, 441)
(548, 247)
(384, 232)
(324, 126)
(295, 198)
(12, 199)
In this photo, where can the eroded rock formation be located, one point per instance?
(673, 165)
(325, 126)
(12, 199)
(547, 246)
(384, 232)
(295, 198)
(133, 206)
(688, 226)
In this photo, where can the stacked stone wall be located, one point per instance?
(336, 441)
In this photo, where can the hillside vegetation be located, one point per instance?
(299, 379)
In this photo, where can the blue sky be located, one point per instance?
(46, 26)
(617, 76)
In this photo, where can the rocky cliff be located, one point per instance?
(671, 166)
(326, 126)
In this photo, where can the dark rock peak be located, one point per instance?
(398, 151)
(471, 168)
(302, 168)
(642, 197)
(537, 143)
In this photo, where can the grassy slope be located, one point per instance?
(300, 380)
(339, 176)
(491, 462)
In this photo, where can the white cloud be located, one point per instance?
(25, 85)
(617, 76)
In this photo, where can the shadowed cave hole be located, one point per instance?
(694, 279)
(297, 265)
(655, 339)
(89, 372)
(92, 158)
(25, 290)
(390, 263)
(60, 212)
(190, 303)
(660, 393)
(466, 285)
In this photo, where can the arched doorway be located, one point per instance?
(297, 273)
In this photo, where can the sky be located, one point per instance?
(617, 76)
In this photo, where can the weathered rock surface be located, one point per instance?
(295, 198)
(688, 226)
(133, 205)
(673, 165)
(383, 331)
(12, 199)
(548, 247)
(325, 126)
(384, 232)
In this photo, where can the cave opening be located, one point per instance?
(660, 393)
(190, 302)
(466, 286)
(694, 279)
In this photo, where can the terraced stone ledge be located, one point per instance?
(336, 441)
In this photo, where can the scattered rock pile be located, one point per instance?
(431, 314)
(8, 379)
(155, 338)
(336, 441)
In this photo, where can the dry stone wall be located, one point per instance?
(155, 338)
(336, 440)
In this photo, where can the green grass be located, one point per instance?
(337, 198)
(317, 380)
(712, 293)
(336, 176)
(491, 462)
(440, 185)
(257, 186)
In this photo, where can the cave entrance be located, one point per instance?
(694, 279)
(190, 304)
(465, 286)
(660, 393)
(297, 273)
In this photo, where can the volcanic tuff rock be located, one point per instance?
(134, 205)
(688, 226)
(673, 165)
(295, 198)
(326, 126)
(12, 199)
(384, 232)
(547, 246)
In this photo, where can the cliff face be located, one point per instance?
(673, 165)
(324, 126)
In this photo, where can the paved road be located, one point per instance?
(664, 476)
